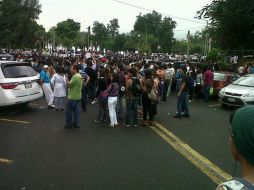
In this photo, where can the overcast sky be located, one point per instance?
(86, 12)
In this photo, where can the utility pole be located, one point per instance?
(210, 45)
(188, 45)
(88, 37)
(146, 44)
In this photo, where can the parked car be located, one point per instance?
(221, 80)
(19, 83)
(240, 93)
(6, 57)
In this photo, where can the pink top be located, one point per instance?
(208, 78)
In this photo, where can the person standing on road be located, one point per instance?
(242, 149)
(59, 83)
(208, 83)
(45, 82)
(122, 86)
(132, 96)
(182, 101)
(74, 97)
(149, 97)
(113, 91)
(170, 73)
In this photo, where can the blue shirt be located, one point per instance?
(45, 77)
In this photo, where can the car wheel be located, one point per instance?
(224, 105)
(24, 105)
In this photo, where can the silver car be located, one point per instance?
(240, 93)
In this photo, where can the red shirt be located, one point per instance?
(208, 77)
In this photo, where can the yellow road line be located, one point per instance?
(14, 121)
(5, 161)
(206, 166)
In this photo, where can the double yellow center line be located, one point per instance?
(5, 161)
(202, 163)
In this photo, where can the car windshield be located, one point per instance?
(219, 76)
(19, 70)
(245, 81)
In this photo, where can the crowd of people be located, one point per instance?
(123, 89)
(126, 88)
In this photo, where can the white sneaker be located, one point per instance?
(93, 102)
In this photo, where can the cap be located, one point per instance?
(243, 132)
(46, 66)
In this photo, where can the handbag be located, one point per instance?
(152, 95)
(104, 95)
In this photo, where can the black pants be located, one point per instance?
(148, 108)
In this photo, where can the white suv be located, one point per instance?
(19, 83)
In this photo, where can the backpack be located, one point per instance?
(252, 70)
(136, 88)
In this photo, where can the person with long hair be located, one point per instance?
(149, 106)
(58, 81)
(113, 92)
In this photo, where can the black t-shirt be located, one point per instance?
(186, 80)
(92, 74)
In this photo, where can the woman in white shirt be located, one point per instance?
(58, 81)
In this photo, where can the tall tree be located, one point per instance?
(113, 27)
(18, 22)
(100, 33)
(160, 28)
(67, 31)
(231, 23)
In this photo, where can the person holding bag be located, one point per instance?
(113, 92)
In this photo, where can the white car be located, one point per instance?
(240, 93)
(19, 83)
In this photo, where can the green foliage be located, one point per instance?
(231, 23)
(67, 32)
(214, 55)
(18, 24)
(100, 33)
(160, 28)
(113, 27)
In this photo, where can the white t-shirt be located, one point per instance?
(170, 73)
(59, 83)
(241, 69)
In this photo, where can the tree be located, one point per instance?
(166, 34)
(231, 23)
(18, 23)
(67, 32)
(113, 27)
(160, 28)
(100, 33)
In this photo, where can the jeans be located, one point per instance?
(102, 110)
(120, 107)
(92, 91)
(60, 102)
(84, 97)
(72, 110)
(132, 111)
(112, 102)
(206, 92)
(182, 105)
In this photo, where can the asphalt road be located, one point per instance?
(37, 153)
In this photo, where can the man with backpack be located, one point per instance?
(122, 86)
(132, 95)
